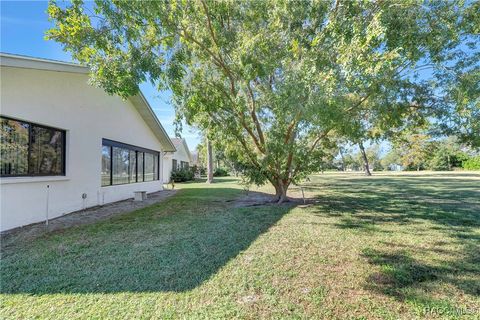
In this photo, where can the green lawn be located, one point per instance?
(388, 246)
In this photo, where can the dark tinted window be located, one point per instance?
(123, 163)
(149, 163)
(132, 167)
(46, 153)
(155, 167)
(140, 166)
(184, 164)
(14, 138)
(120, 163)
(106, 168)
(29, 149)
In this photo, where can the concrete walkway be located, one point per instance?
(82, 217)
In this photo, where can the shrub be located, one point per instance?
(198, 169)
(182, 175)
(220, 172)
(472, 164)
(377, 166)
(194, 169)
(439, 162)
(444, 159)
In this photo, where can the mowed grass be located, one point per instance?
(388, 246)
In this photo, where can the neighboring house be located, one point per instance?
(66, 145)
(180, 159)
(395, 167)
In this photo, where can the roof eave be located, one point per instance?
(139, 101)
(152, 121)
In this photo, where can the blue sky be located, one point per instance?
(23, 25)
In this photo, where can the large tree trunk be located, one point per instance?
(365, 159)
(281, 188)
(278, 193)
(209, 162)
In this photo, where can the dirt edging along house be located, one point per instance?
(67, 146)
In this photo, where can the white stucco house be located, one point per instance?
(66, 145)
(181, 158)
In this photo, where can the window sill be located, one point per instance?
(11, 180)
(126, 184)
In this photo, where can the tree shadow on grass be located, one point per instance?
(399, 271)
(449, 206)
(175, 245)
(359, 225)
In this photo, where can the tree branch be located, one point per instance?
(317, 140)
(259, 146)
(209, 22)
(320, 137)
(217, 60)
(239, 138)
(253, 113)
(358, 103)
(288, 168)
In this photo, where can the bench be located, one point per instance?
(140, 195)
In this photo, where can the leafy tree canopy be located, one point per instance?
(272, 80)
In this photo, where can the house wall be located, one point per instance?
(65, 100)
(167, 167)
(179, 155)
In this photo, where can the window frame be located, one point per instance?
(184, 165)
(152, 167)
(128, 166)
(110, 166)
(30, 129)
(138, 150)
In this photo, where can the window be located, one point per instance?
(14, 147)
(106, 162)
(120, 157)
(149, 167)
(174, 164)
(184, 165)
(140, 166)
(155, 167)
(132, 167)
(123, 163)
(29, 149)
(46, 151)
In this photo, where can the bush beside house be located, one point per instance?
(182, 175)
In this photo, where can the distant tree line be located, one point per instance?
(410, 152)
